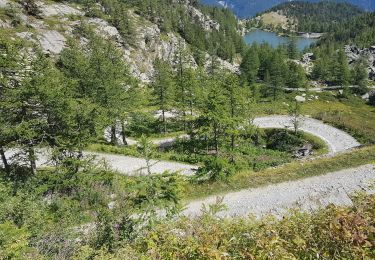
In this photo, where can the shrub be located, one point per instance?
(142, 124)
(332, 233)
(283, 141)
(214, 169)
(30, 7)
(372, 99)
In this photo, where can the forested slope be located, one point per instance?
(317, 17)
(303, 16)
(249, 8)
(359, 31)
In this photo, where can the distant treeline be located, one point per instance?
(359, 31)
(317, 17)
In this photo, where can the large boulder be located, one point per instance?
(3, 3)
(57, 10)
(51, 41)
(300, 99)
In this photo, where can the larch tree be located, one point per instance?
(163, 90)
(250, 65)
(9, 67)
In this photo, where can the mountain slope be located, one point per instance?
(142, 35)
(307, 17)
(248, 8)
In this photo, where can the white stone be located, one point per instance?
(52, 41)
(58, 10)
(26, 36)
(3, 3)
(5, 24)
(105, 29)
(300, 99)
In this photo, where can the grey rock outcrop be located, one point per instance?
(354, 54)
(147, 44)
(51, 41)
(306, 62)
(206, 22)
(57, 10)
(3, 3)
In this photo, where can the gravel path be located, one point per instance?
(137, 166)
(306, 194)
(123, 164)
(336, 139)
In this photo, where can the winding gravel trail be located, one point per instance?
(126, 165)
(138, 166)
(336, 139)
(306, 194)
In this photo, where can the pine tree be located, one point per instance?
(10, 61)
(296, 76)
(277, 74)
(163, 88)
(292, 48)
(341, 69)
(250, 65)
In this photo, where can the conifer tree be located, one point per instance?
(250, 65)
(163, 88)
(341, 69)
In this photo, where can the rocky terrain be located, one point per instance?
(354, 54)
(57, 22)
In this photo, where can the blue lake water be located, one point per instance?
(274, 40)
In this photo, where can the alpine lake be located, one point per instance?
(273, 39)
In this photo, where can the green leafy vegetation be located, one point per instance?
(336, 232)
(86, 98)
(50, 215)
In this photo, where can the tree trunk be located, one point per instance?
(216, 137)
(4, 160)
(274, 93)
(232, 148)
(164, 122)
(123, 135)
(113, 135)
(32, 159)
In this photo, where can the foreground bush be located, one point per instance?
(99, 215)
(332, 233)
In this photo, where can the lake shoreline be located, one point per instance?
(274, 39)
(306, 35)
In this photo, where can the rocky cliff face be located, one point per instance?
(354, 53)
(57, 22)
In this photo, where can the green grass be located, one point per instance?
(352, 116)
(319, 146)
(288, 172)
(157, 136)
